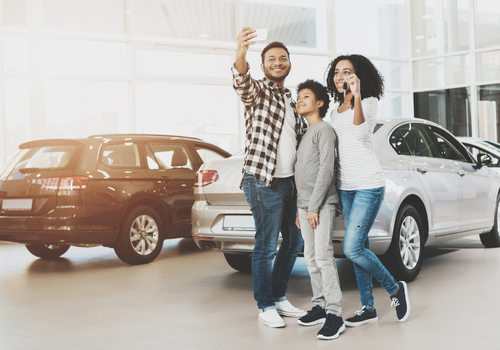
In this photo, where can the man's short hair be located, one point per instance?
(320, 92)
(272, 46)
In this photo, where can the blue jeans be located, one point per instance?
(274, 209)
(359, 210)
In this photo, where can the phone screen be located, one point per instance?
(261, 34)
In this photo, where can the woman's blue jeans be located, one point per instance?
(274, 210)
(359, 210)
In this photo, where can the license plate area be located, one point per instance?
(238, 223)
(17, 204)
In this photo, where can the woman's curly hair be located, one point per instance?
(372, 83)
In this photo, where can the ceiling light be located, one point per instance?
(204, 36)
(419, 37)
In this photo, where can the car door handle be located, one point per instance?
(461, 172)
(422, 169)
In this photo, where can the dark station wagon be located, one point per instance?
(127, 192)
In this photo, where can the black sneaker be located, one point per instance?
(332, 328)
(401, 302)
(362, 317)
(314, 316)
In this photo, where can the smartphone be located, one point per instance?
(261, 34)
(344, 86)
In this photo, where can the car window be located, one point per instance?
(120, 155)
(49, 157)
(399, 144)
(208, 155)
(448, 151)
(169, 156)
(449, 147)
(418, 140)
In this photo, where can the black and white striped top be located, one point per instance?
(359, 168)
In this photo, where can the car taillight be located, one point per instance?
(205, 177)
(64, 185)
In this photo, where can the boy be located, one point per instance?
(316, 206)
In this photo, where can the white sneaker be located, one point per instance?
(284, 308)
(271, 319)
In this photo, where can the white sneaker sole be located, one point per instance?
(357, 324)
(405, 317)
(335, 336)
(273, 324)
(292, 313)
(318, 321)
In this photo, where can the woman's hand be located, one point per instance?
(313, 219)
(354, 85)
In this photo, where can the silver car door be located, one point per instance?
(438, 177)
(478, 195)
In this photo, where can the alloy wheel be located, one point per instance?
(144, 234)
(409, 242)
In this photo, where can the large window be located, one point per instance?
(450, 108)
(439, 26)
(489, 112)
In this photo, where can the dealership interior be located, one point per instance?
(74, 68)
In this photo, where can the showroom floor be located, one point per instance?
(191, 299)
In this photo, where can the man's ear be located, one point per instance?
(321, 103)
(262, 67)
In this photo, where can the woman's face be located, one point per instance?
(343, 70)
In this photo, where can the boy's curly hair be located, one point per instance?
(320, 92)
(372, 82)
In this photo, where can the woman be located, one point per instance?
(357, 86)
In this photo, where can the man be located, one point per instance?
(273, 131)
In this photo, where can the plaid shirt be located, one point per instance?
(265, 111)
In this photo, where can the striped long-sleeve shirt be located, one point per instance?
(359, 168)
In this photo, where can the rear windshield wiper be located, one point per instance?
(28, 170)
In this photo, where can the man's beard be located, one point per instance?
(269, 76)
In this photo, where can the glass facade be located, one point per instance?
(81, 67)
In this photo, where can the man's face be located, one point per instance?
(276, 66)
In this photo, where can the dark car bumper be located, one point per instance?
(55, 230)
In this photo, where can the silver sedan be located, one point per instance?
(435, 190)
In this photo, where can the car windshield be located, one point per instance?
(37, 158)
(492, 144)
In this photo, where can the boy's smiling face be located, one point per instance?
(307, 104)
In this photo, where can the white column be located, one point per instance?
(36, 72)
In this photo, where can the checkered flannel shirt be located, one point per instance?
(265, 111)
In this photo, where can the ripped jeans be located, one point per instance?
(359, 210)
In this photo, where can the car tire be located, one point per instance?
(405, 255)
(141, 236)
(492, 238)
(240, 262)
(47, 251)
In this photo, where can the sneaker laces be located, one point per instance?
(395, 302)
(360, 312)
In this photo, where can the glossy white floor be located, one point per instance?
(191, 299)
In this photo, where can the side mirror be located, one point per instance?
(483, 159)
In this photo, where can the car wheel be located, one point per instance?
(406, 253)
(47, 251)
(492, 238)
(141, 236)
(240, 262)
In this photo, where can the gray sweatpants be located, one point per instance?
(318, 251)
